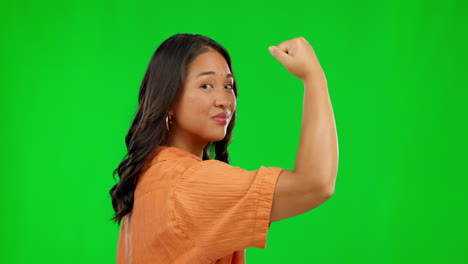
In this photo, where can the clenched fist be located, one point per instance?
(299, 58)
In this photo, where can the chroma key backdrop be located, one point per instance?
(396, 74)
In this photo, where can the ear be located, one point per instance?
(171, 112)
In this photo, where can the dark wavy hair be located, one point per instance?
(160, 88)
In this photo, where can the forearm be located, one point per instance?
(317, 155)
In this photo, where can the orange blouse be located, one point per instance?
(189, 210)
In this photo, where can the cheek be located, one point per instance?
(197, 106)
(234, 103)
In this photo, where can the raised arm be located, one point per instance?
(313, 179)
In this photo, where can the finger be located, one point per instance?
(279, 54)
(285, 46)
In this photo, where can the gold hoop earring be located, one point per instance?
(168, 121)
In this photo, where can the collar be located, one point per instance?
(167, 152)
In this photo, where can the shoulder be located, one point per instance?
(210, 165)
(163, 174)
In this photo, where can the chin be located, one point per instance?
(218, 138)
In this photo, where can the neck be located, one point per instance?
(185, 143)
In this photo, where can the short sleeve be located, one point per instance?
(223, 208)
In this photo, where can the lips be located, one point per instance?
(223, 115)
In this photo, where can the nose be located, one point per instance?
(223, 101)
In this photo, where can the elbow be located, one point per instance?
(327, 194)
(329, 189)
(324, 186)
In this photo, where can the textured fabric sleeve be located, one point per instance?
(223, 208)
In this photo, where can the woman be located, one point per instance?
(178, 199)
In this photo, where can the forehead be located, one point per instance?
(208, 61)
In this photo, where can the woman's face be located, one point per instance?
(207, 92)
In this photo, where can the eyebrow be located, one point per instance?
(229, 75)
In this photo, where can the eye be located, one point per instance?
(206, 84)
(229, 86)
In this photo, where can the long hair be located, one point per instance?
(161, 86)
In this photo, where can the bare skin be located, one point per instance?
(203, 96)
(317, 155)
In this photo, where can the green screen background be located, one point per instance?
(396, 71)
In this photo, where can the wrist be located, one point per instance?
(315, 78)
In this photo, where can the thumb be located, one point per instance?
(280, 55)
